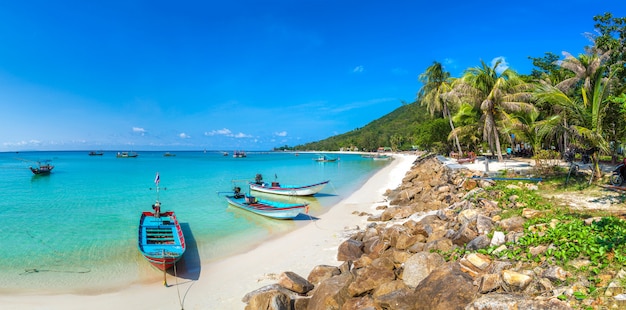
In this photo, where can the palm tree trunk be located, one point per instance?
(565, 133)
(495, 134)
(595, 159)
(456, 138)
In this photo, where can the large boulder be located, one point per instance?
(332, 293)
(350, 250)
(446, 288)
(365, 302)
(321, 273)
(294, 282)
(419, 266)
(370, 278)
(270, 297)
(401, 299)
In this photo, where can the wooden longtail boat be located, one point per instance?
(267, 208)
(326, 159)
(42, 169)
(161, 240)
(287, 190)
(126, 155)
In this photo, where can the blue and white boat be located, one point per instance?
(161, 240)
(267, 208)
(287, 190)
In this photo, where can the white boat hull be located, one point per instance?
(308, 190)
(275, 210)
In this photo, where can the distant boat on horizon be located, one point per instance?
(126, 154)
(94, 153)
(325, 159)
(42, 169)
(239, 154)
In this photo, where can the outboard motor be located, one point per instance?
(238, 193)
(258, 179)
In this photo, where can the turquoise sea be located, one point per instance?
(75, 230)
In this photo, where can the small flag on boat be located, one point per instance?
(157, 179)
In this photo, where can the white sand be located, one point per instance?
(222, 284)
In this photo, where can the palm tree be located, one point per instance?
(496, 94)
(470, 122)
(436, 84)
(584, 68)
(586, 116)
(525, 126)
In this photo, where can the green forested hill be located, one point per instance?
(407, 126)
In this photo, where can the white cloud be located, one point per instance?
(223, 132)
(139, 130)
(183, 135)
(21, 143)
(242, 135)
(358, 69)
(227, 133)
(281, 134)
(502, 66)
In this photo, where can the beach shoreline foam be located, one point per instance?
(223, 283)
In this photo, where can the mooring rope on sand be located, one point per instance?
(180, 302)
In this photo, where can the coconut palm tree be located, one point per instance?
(470, 123)
(525, 126)
(436, 84)
(586, 115)
(496, 94)
(584, 68)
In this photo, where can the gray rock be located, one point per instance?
(480, 242)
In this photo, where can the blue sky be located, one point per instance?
(251, 75)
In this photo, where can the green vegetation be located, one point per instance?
(589, 244)
(574, 102)
(404, 124)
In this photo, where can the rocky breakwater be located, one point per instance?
(420, 253)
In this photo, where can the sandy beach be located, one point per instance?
(223, 283)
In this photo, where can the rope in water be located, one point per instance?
(38, 270)
(58, 254)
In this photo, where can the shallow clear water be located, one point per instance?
(76, 229)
